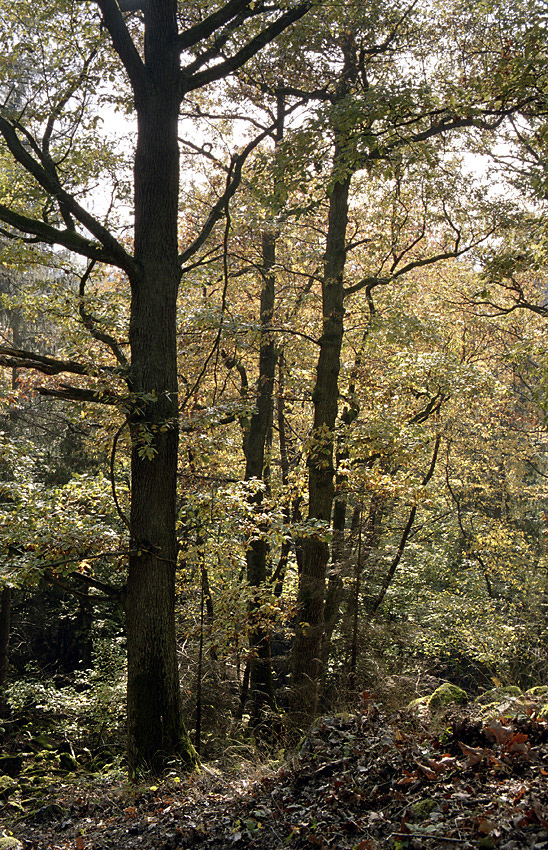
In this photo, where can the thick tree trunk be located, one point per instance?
(307, 665)
(155, 727)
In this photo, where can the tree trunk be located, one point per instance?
(307, 666)
(5, 612)
(260, 676)
(155, 728)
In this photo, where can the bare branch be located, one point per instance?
(223, 69)
(91, 324)
(70, 393)
(124, 46)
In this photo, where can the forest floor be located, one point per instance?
(365, 781)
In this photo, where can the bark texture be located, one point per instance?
(155, 727)
(260, 677)
(307, 652)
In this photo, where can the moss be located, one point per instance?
(42, 742)
(447, 694)
(7, 786)
(422, 809)
(537, 691)
(421, 702)
(67, 762)
(8, 842)
(499, 694)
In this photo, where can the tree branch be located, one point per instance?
(223, 69)
(199, 32)
(70, 393)
(124, 46)
(46, 233)
(90, 322)
(17, 358)
(111, 252)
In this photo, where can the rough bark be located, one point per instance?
(307, 665)
(260, 675)
(158, 82)
(155, 727)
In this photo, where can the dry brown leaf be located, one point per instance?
(486, 826)
(499, 733)
(473, 754)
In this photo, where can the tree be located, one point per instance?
(164, 54)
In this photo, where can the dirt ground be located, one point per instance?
(365, 781)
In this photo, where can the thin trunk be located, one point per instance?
(405, 535)
(307, 665)
(342, 543)
(356, 610)
(260, 679)
(342, 556)
(5, 612)
(198, 735)
(261, 684)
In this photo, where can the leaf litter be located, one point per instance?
(363, 781)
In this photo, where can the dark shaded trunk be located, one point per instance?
(5, 613)
(155, 728)
(341, 557)
(260, 676)
(292, 509)
(307, 662)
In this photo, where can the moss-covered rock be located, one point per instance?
(499, 694)
(422, 810)
(447, 694)
(418, 704)
(8, 842)
(537, 691)
(67, 762)
(7, 786)
(42, 742)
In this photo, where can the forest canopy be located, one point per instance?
(273, 370)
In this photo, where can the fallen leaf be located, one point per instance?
(428, 772)
(497, 732)
(486, 826)
(474, 754)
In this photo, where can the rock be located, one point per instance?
(420, 702)
(8, 842)
(537, 691)
(422, 810)
(45, 814)
(67, 762)
(7, 786)
(447, 694)
(499, 694)
(42, 742)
